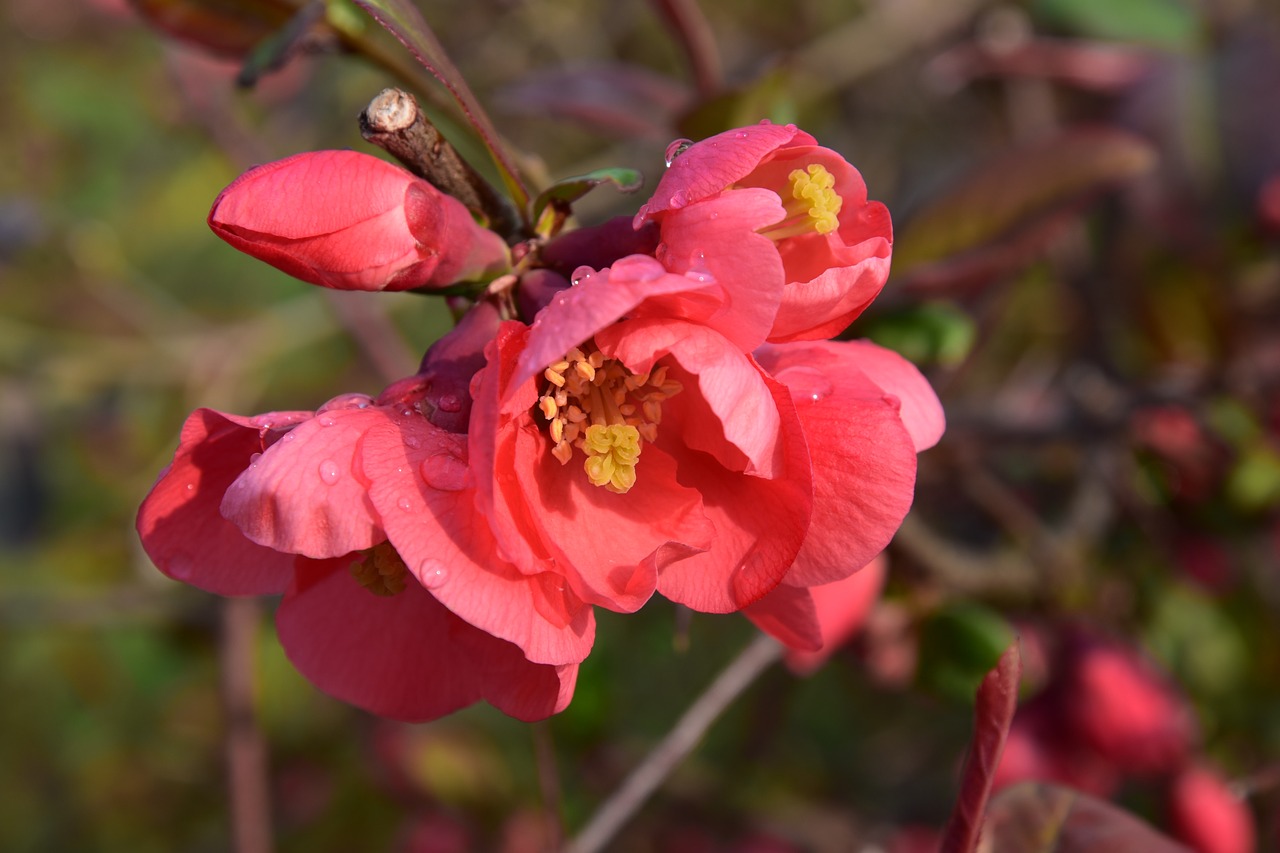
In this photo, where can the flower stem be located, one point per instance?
(676, 746)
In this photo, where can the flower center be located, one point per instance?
(813, 205)
(381, 570)
(596, 405)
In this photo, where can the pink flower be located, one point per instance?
(866, 412)
(1207, 815)
(350, 221)
(650, 453)
(285, 502)
(767, 204)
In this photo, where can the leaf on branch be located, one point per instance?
(556, 200)
(993, 715)
(1006, 211)
(402, 19)
(1039, 818)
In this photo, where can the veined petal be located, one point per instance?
(420, 487)
(305, 495)
(179, 522)
(406, 656)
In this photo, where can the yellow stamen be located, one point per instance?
(814, 205)
(381, 571)
(595, 405)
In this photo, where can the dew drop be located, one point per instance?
(678, 200)
(329, 472)
(449, 403)
(181, 566)
(433, 574)
(805, 383)
(675, 149)
(191, 487)
(742, 134)
(405, 504)
(580, 275)
(444, 471)
(412, 441)
(346, 401)
(326, 421)
(253, 459)
(288, 436)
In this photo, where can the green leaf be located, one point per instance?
(936, 332)
(1162, 23)
(562, 194)
(958, 646)
(403, 21)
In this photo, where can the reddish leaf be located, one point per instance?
(225, 27)
(993, 714)
(403, 21)
(979, 223)
(1037, 818)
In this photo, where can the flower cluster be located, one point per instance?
(662, 413)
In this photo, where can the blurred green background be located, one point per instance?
(1099, 317)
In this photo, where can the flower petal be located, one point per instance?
(919, 408)
(433, 523)
(406, 656)
(305, 495)
(181, 528)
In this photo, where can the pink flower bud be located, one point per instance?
(1205, 814)
(350, 221)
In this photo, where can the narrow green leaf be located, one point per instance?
(565, 192)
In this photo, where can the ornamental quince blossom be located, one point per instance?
(768, 203)
(625, 441)
(350, 221)
(282, 502)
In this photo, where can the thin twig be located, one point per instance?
(246, 749)
(693, 32)
(544, 750)
(676, 746)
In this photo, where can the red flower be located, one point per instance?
(694, 457)
(768, 205)
(285, 502)
(839, 608)
(1206, 814)
(350, 221)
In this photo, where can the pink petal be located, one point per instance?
(305, 494)
(901, 380)
(180, 525)
(760, 511)
(813, 622)
(864, 462)
(419, 483)
(654, 524)
(597, 300)
(405, 656)
(716, 241)
(726, 407)
(709, 166)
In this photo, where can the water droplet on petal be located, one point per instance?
(181, 566)
(289, 436)
(678, 200)
(444, 471)
(449, 403)
(405, 504)
(191, 487)
(433, 574)
(806, 384)
(346, 401)
(580, 275)
(253, 459)
(675, 149)
(329, 472)
(412, 441)
(326, 421)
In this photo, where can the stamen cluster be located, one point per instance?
(596, 405)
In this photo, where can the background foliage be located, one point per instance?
(1083, 268)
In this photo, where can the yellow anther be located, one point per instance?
(585, 370)
(381, 571)
(556, 379)
(548, 406)
(815, 188)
